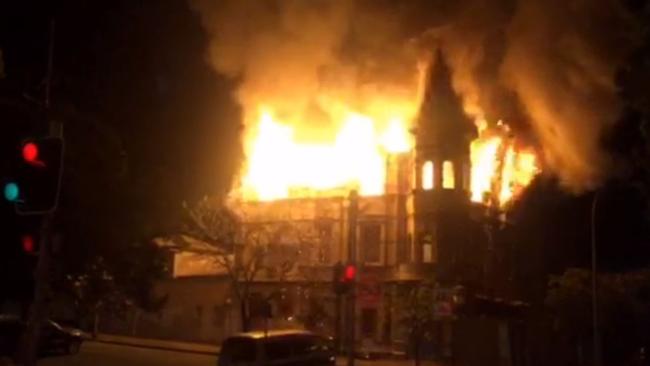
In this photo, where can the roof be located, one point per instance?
(187, 243)
(272, 333)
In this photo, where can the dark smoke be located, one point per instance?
(546, 67)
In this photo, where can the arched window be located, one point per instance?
(427, 175)
(448, 179)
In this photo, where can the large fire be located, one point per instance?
(279, 165)
(291, 154)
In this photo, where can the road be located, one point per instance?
(104, 354)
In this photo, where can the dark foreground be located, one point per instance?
(104, 354)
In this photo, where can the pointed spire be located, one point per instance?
(442, 123)
(439, 79)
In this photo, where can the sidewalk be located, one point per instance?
(202, 348)
(342, 361)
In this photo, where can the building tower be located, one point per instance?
(442, 172)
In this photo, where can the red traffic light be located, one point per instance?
(38, 175)
(350, 273)
(29, 246)
(30, 152)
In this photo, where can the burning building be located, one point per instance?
(421, 171)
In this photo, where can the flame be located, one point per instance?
(290, 153)
(396, 139)
(500, 170)
(279, 165)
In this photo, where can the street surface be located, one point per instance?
(104, 354)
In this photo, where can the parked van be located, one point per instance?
(276, 347)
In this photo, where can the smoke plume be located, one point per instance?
(545, 67)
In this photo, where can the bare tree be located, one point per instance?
(315, 277)
(243, 249)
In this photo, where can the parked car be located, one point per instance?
(57, 338)
(277, 347)
(54, 337)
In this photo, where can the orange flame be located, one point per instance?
(287, 158)
(279, 166)
(500, 170)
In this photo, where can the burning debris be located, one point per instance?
(500, 168)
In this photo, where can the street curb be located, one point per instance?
(151, 346)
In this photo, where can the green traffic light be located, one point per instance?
(11, 192)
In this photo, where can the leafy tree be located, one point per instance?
(623, 308)
(94, 290)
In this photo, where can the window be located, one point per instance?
(277, 254)
(325, 230)
(427, 175)
(427, 248)
(370, 242)
(427, 253)
(448, 179)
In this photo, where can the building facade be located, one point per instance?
(420, 229)
(423, 229)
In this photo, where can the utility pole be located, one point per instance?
(336, 281)
(594, 288)
(353, 211)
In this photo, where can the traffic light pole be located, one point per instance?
(38, 307)
(353, 211)
(337, 330)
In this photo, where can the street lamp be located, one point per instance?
(594, 272)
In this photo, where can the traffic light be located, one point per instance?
(34, 188)
(350, 273)
(344, 277)
(11, 191)
(29, 244)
